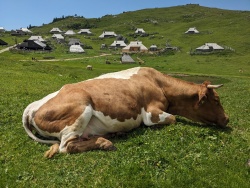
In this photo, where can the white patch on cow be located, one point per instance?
(101, 124)
(125, 74)
(146, 117)
(76, 129)
(164, 116)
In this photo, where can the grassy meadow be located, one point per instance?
(186, 154)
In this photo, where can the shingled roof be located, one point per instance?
(135, 46)
(76, 49)
(108, 34)
(118, 44)
(192, 30)
(209, 47)
(126, 59)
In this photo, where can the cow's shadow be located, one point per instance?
(186, 122)
(142, 129)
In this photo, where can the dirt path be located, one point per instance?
(6, 49)
(69, 59)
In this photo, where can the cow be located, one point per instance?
(79, 116)
(89, 67)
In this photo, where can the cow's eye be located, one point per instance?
(202, 102)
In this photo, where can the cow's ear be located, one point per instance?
(201, 96)
(201, 100)
(206, 83)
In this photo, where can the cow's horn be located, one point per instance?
(214, 86)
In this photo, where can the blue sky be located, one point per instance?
(15, 14)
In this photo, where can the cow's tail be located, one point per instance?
(29, 127)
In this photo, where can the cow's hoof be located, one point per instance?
(111, 148)
(105, 144)
(171, 120)
(52, 151)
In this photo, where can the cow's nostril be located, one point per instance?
(224, 121)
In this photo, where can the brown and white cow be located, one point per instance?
(79, 114)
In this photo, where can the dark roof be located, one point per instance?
(18, 32)
(33, 45)
(74, 41)
(3, 42)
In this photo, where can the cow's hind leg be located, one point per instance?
(78, 145)
(54, 149)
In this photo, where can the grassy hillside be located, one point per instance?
(215, 25)
(164, 25)
(186, 154)
(170, 24)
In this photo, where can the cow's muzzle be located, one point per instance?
(224, 121)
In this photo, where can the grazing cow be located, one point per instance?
(78, 116)
(107, 62)
(89, 67)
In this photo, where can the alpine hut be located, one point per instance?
(209, 47)
(55, 30)
(2, 30)
(37, 38)
(85, 32)
(74, 41)
(69, 32)
(58, 37)
(153, 48)
(126, 59)
(135, 46)
(3, 43)
(139, 31)
(108, 34)
(118, 44)
(192, 30)
(33, 45)
(76, 49)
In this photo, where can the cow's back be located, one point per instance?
(123, 98)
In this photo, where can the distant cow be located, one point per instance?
(89, 67)
(78, 116)
(107, 62)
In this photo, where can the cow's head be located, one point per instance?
(208, 108)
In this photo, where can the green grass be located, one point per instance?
(182, 155)
(173, 156)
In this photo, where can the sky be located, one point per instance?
(16, 14)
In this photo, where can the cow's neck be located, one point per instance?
(181, 96)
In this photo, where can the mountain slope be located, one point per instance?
(225, 27)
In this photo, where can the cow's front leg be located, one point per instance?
(166, 118)
(155, 116)
(78, 145)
